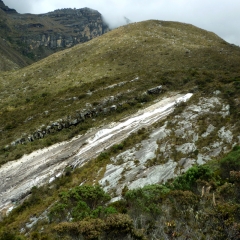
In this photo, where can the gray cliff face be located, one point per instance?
(75, 26)
(6, 9)
(36, 36)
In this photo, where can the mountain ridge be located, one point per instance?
(6, 9)
(35, 36)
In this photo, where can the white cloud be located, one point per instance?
(219, 16)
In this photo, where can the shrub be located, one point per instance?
(188, 181)
(146, 199)
(230, 163)
(9, 235)
(116, 226)
(79, 203)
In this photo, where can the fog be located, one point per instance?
(219, 16)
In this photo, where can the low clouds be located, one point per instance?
(219, 16)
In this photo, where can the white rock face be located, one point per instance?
(43, 166)
(132, 171)
(155, 174)
(225, 135)
(201, 159)
(225, 110)
(172, 149)
(209, 130)
(182, 141)
(186, 163)
(186, 148)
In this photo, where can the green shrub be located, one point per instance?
(230, 163)
(103, 156)
(146, 199)
(9, 235)
(188, 181)
(80, 202)
(117, 147)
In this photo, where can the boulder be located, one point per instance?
(73, 122)
(155, 90)
(113, 108)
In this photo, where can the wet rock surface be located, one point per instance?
(42, 166)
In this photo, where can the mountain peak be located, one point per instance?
(73, 11)
(6, 8)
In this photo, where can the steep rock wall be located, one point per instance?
(36, 36)
(76, 26)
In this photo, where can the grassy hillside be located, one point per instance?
(176, 55)
(121, 65)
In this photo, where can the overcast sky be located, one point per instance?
(219, 16)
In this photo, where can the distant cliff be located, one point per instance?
(35, 36)
(6, 8)
(61, 28)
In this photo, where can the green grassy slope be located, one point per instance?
(176, 55)
(179, 56)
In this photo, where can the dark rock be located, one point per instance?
(155, 90)
(82, 116)
(30, 138)
(113, 108)
(94, 112)
(60, 127)
(74, 122)
(55, 124)
(48, 128)
(87, 114)
(6, 9)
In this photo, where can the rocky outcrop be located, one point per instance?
(199, 133)
(77, 26)
(42, 166)
(155, 90)
(6, 9)
(36, 36)
(107, 106)
(60, 124)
